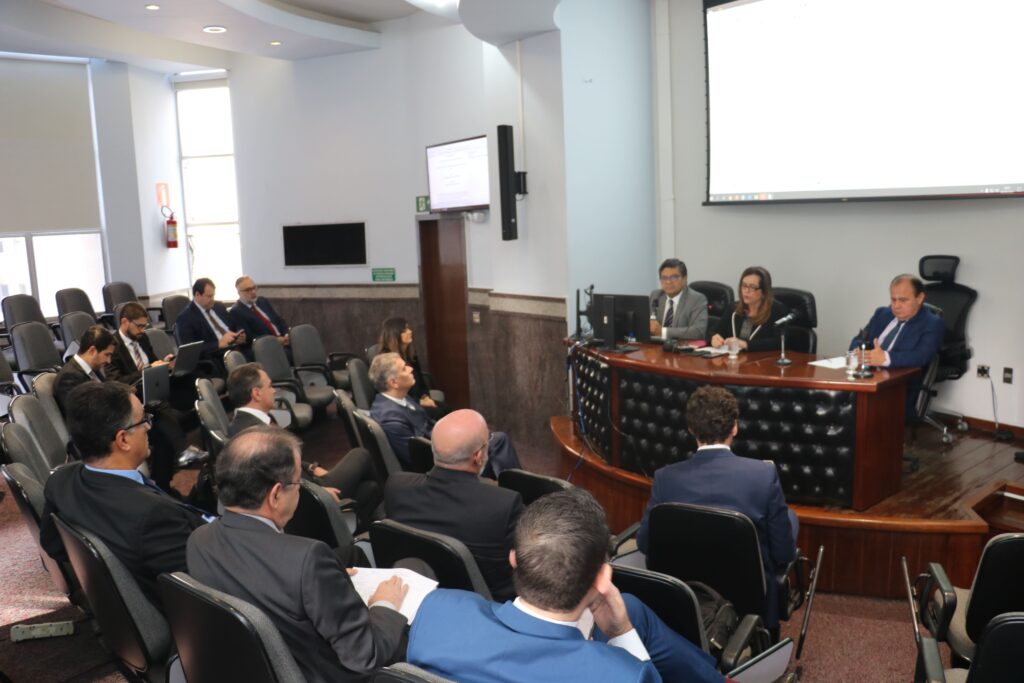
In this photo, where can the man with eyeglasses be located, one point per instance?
(677, 312)
(255, 314)
(451, 499)
(106, 494)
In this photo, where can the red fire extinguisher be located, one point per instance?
(171, 228)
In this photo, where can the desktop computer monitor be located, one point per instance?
(621, 317)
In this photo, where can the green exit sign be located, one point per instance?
(383, 274)
(423, 204)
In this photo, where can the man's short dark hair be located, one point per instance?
(252, 462)
(133, 310)
(96, 336)
(711, 413)
(673, 263)
(96, 412)
(914, 281)
(561, 542)
(242, 381)
(199, 286)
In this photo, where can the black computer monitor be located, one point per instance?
(621, 317)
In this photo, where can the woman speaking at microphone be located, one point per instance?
(752, 324)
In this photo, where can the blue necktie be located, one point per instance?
(891, 339)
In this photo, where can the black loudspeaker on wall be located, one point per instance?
(510, 183)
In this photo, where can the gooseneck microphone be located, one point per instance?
(786, 319)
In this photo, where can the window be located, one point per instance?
(15, 277)
(208, 181)
(68, 260)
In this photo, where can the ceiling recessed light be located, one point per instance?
(275, 43)
(214, 29)
(151, 6)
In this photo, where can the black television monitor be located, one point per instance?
(336, 244)
(621, 317)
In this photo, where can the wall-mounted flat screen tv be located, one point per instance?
(333, 244)
(845, 100)
(458, 175)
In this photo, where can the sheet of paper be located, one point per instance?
(367, 579)
(837, 363)
(709, 351)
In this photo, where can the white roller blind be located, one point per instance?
(47, 157)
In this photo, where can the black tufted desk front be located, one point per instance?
(836, 441)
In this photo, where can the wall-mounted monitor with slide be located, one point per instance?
(458, 176)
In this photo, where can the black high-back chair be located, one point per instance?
(319, 517)
(373, 439)
(34, 350)
(451, 561)
(311, 358)
(73, 325)
(801, 335)
(115, 293)
(421, 455)
(133, 629)
(671, 599)
(73, 299)
(19, 309)
(959, 615)
(721, 301)
(223, 638)
(171, 307)
(531, 485)
(363, 392)
(997, 658)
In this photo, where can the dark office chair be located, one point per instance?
(35, 351)
(997, 657)
(959, 615)
(449, 558)
(213, 424)
(223, 638)
(9, 388)
(531, 485)
(800, 336)
(403, 672)
(271, 355)
(421, 455)
(23, 308)
(721, 301)
(19, 446)
(349, 419)
(28, 411)
(363, 392)
(373, 439)
(73, 325)
(133, 629)
(170, 308)
(42, 389)
(319, 517)
(955, 300)
(73, 299)
(313, 363)
(720, 548)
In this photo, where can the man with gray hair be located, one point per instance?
(297, 581)
(402, 419)
(451, 499)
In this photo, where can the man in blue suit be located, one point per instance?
(904, 335)
(207, 321)
(402, 419)
(716, 477)
(255, 315)
(560, 570)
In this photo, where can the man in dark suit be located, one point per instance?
(207, 321)
(95, 351)
(255, 315)
(451, 499)
(716, 477)
(678, 311)
(904, 334)
(561, 569)
(106, 494)
(298, 582)
(402, 419)
(249, 389)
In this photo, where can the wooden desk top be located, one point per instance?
(750, 369)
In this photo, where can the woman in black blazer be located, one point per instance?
(753, 321)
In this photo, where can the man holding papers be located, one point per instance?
(298, 582)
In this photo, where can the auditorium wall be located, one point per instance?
(846, 253)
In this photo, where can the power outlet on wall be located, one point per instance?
(982, 371)
(1007, 375)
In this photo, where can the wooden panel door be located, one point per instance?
(445, 297)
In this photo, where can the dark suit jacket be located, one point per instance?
(304, 589)
(122, 366)
(718, 478)
(241, 421)
(191, 326)
(766, 339)
(459, 505)
(145, 529)
(918, 341)
(69, 377)
(253, 326)
(401, 424)
(459, 635)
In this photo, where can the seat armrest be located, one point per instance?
(929, 663)
(750, 638)
(342, 356)
(626, 534)
(293, 385)
(320, 368)
(936, 600)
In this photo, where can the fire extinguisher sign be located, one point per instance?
(163, 195)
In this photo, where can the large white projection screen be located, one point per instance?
(856, 99)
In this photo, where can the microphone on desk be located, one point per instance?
(654, 306)
(786, 319)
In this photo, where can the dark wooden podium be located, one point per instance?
(837, 442)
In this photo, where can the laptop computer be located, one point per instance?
(187, 359)
(767, 667)
(156, 384)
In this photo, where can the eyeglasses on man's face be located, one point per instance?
(146, 420)
(144, 325)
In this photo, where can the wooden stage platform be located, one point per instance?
(944, 512)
